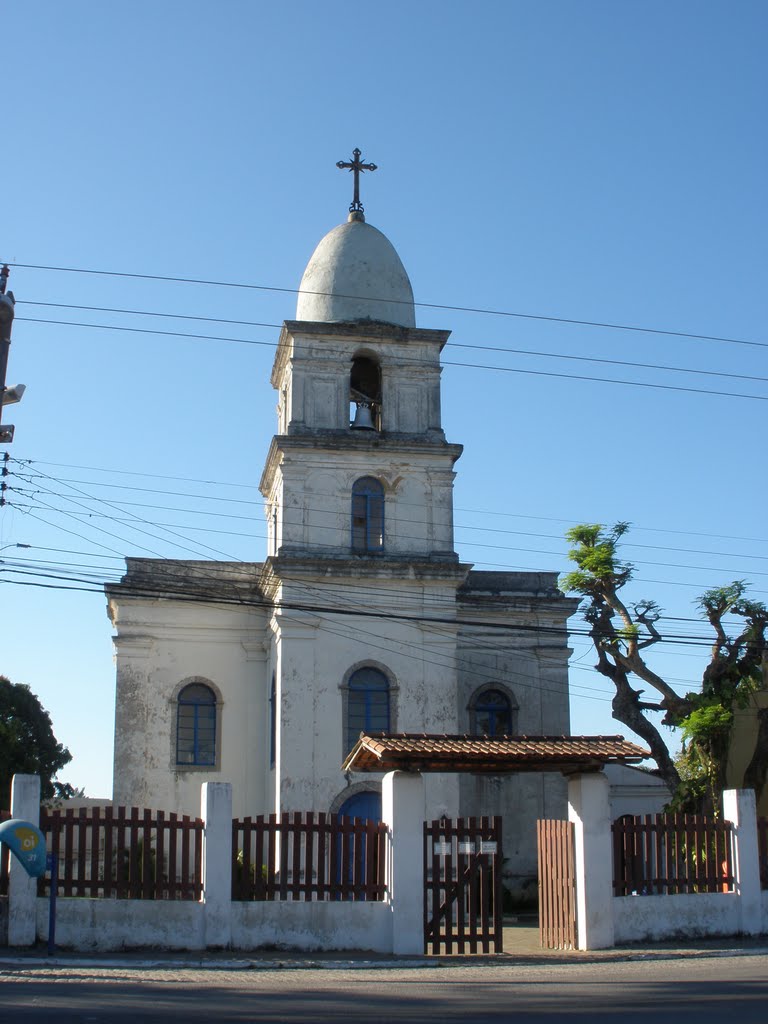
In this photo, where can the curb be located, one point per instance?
(289, 964)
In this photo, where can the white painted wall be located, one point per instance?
(684, 916)
(159, 647)
(312, 926)
(105, 925)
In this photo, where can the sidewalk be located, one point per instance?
(521, 945)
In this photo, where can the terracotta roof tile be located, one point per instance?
(381, 752)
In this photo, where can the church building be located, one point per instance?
(361, 617)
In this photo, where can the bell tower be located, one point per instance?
(358, 486)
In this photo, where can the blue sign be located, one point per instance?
(27, 843)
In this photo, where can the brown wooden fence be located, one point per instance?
(666, 854)
(308, 856)
(125, 853)
(5, 858)
(557, 884)
(762, 847)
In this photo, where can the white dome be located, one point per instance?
(356, 274)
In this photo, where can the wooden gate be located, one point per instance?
(462, 886)
(557, 887)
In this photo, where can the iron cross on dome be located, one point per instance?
(356, 166)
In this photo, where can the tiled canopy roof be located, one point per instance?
(382, 752)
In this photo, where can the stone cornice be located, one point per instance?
(414, 569)
(359, 330)
(355, 441)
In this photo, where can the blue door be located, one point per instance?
(365, 805)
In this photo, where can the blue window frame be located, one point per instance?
(367, 515)
(493, 714)
(367, 704)
(273, 721)
(196, 726)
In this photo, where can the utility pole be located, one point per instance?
(8, 395)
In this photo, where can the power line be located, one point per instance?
(446, 362)
(452, 344)
(161, 585)
(425, 305)
(494, 566)
(334, 546)
(472, 511)
(29, 476)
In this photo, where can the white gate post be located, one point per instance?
(589, 810)
(739, 808)
(402, 810)
(216, 812)
(22, 890)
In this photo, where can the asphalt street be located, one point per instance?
(708, 990)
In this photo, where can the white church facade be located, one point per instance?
(361, 616)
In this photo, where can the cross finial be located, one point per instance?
(356, 166)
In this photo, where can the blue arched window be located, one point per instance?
(493, 713)
(367, 515)
(196, 726)
(367, 704)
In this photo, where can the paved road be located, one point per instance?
(705, 991)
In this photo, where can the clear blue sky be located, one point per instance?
(595, 161)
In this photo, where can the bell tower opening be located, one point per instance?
(365, 394)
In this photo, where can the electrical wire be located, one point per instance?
(445, 362)
(402, 536)
(472, 511)
(451, 344)
(423, 305)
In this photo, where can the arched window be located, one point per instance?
(367, 515)
(493, 713)
(196, 726)
(367, 704)
(365, 394)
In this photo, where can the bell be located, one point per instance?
(363, 419)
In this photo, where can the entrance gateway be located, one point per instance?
(461, 870)
(462, 886)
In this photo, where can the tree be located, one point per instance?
(621, 632)
(27, 743)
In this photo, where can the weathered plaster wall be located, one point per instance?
(312, 926)
(86, 924)
(312, 490)
(317, 653)
(688, 915)
(534, 674)
(159, 647)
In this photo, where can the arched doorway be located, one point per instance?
(366, 805)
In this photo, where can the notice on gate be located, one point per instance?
(466, 847)
(442, 849)
(487, 846)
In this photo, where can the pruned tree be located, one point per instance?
(27, 742)
(623, 631)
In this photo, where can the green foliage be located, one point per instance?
(595, 555)
(706, 722)
(27, 743)
(694, 790)
(622, 633)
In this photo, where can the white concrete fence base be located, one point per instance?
(22, 890)
(396, 923)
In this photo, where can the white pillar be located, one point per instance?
(22, 890)
(216, 812)
(589, 810)
(402, 810)
(739, 808)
